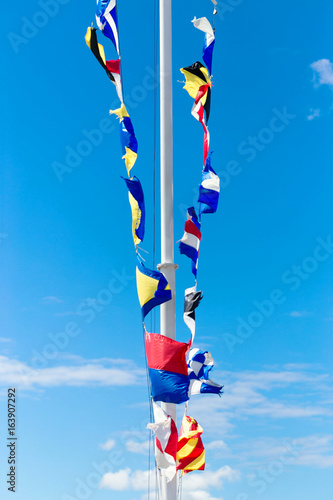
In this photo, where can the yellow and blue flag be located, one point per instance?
(153, 288)
(137, 203)
(128, 140)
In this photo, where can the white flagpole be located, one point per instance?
(167, 266)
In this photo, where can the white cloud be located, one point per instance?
(200, 495)
(138, 447)
(5, 340)
(137, 480)
(108, 445)
(85, 373)
(125, 479)
(323, 72)
(211, 479)
(217, 445)
(119, 481)
(314, 113)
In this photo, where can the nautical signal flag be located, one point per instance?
(198, 113)
(190, 242)
(166, 442)
(191, 452)
(112, 68)
(153, 288)
(200, 363)
(209, 189)
(198, 86)
(204, 25)
(197, 79)
(167, 367)
(192, 300)
(128, 140)
(137, 203)
(106, 17)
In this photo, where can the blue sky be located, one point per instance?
(71, 340)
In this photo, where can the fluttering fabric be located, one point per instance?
(112, 68)
(198, 113)
(137, 203)
(166, 442)
(106, 17)
(128, 140)
(192, 301)
(167, 368)
(153, 288)
(198, 85)
(209, 189)
(191, 452)
(200, 363)
(204, 25)
(197, 79)
(190, 242)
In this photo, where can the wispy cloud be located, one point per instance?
(312, 451)
(290, 392)
(84, 373)
(108, 445)
(314, 113)
(51, 300)
(299, 314)
(323, 72)
(5, 340)
(141, 448)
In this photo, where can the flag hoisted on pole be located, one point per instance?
(167, 266)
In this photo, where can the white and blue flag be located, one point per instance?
(204, 25)
(106, 17)
(199, 364)
(209, 190)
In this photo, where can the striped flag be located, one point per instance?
(200, 363)
(167, 368)
(190, 242)
(191, 452)
(197, 78)
(198, 113)
(106, 17)
(112, 68)
(166, 442)
(198, 85)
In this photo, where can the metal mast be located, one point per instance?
(168, 314)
